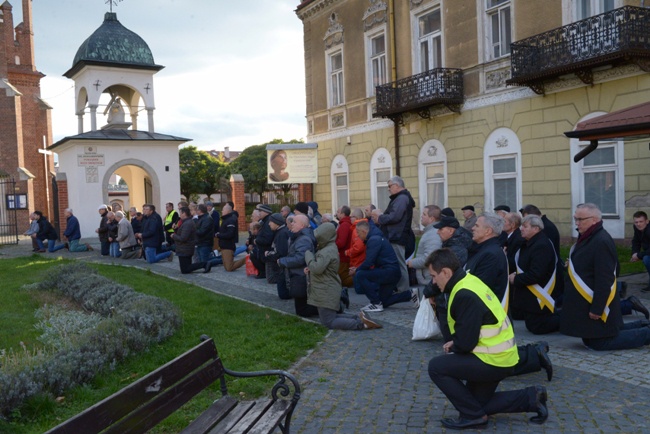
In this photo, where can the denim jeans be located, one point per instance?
(53, 247)
(632, 335)
(153, 257)
(115, 250)
(205, 253)
(378, 285)
(76, 247)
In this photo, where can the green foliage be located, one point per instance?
(248, 338)
(251, 163)
(201, 173)
(624, 255)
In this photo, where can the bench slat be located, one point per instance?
(164, 404)
(115, 407)
(271, 418)
(251, 418)
(218, 411)
(232, 419)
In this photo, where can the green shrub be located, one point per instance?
(115, 321)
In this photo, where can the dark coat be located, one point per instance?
(396, 220)
(102, 231)
(552, 233)
(229, 231)
(185, 237)
(112, 230)
(488, 262)
(537, 260)
(379, 253)
(280, 247)
(595, 261)
(216, 219)
(72, 229)
(513, 243)
(152, 231)
(265, 236)
(641, 242)
(204, 231)
(459, 243)
(136, 225)
(295, 259)
(45, 230)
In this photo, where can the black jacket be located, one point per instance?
(204, 231)
(641, 242)
(102, 231)
(229, 231)
(488, 262)
(264, 239)
(513, 243)
(595, 261)
(459, 243)
(395, 222)
(152, 231)
(185, 237)
(537, 261)
(45, 230)
(552, 233)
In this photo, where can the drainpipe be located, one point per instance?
(393, 76)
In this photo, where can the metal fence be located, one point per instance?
(8, 212)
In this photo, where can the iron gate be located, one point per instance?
(8, 211)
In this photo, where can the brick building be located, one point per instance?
(469, 100)
(25, 123)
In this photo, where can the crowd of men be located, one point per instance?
(479, 276)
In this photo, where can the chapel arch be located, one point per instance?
(144, 185)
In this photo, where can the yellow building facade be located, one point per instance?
(468, 101)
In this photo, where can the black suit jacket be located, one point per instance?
(537, 261)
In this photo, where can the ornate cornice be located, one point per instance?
(315, 8)
(376, 14)
(334, 34)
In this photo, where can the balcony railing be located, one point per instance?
(440, 86)
(618, 36)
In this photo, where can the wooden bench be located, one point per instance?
(146, 402)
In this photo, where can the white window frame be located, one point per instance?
(416, 14)
(489, 13)
(339, 167)
(370, 59)
(613, 223)
(501, 143)
(340, 98)
(432, 153)
(381, 160)
(571, 9)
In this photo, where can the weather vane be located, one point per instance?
(112, 2)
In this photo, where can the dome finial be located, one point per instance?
(111, 3)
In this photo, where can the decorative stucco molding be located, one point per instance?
(376, 14)
(334, 34)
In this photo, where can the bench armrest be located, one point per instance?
(281, 387)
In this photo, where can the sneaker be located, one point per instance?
(415, 297)
(374, 307)
(369, 324)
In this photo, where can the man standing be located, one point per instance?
(591, 308)
(429, 243)
(136, 220)
(264, 243)
(481, 353)
(294, 264)
(534, 281)
(102, 230)
(171, 219)
(470, 217)
(343, 239)
(126, 237)
(641, 242)
(73, 234)
(228, 237)
(395, 223)
(377, 276)
(152, 235)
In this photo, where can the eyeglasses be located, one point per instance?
(580, 219)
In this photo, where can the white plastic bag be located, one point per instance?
(426, 324)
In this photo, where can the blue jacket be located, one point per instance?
(72, 230)
(396, 220)
(152, 231)
(379, 252)
(295, 260)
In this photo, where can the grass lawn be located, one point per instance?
(248, 338)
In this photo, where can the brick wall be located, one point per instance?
(239, 199)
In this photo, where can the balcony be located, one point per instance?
(440, 86)
(615, 37)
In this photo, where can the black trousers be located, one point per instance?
(542, 323)
(187, 266)
(470, 386)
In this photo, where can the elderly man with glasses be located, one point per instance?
(591, 302)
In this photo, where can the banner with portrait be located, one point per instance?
(292, 163)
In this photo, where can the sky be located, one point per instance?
(234, 70)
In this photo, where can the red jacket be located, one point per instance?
(356, 254)
(343, 237)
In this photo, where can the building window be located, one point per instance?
(589, 8)
(376, 49)
(502, 169)
(335, 71)
(499, 27)
(16, 201)
(504, 181)
(381, 169)
(340, 182)
(599, 170)
(432, 174)
(429, 40)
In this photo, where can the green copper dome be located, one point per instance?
(112, 44)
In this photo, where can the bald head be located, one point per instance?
(300, 222)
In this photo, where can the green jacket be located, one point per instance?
(324, 289)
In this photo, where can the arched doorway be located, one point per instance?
(140, 179)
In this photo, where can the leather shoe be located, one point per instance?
(638, 306)
(540, 401)
(462, 423)
(544, 360)
(208, 267)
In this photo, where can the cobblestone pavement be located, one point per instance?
(377, 381)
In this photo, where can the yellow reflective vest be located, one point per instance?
(169, 219)
(496, 343)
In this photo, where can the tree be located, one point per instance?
(251, 163)
(193, 168)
